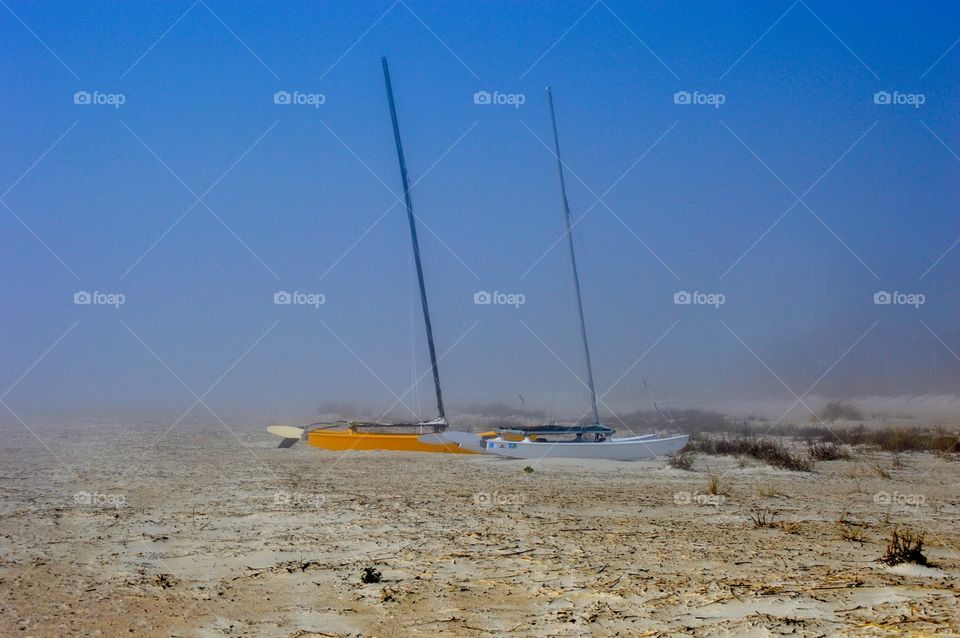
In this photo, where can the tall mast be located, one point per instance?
(413, 238)
(573, 260)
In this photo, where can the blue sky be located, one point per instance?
(797, 199)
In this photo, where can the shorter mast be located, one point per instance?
(573, 260)
(413, 239)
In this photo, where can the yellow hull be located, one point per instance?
(346, 440)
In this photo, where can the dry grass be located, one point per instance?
(768, 491)
(769, 451)
(904, 547)
(763, 518)
(682, 461)
(853, 533)
(849, 530)
(715, 486)
(828, 452)
(790, 527)
(889, 438)
(882, 473)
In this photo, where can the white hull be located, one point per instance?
(632, 448)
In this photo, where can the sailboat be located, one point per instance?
(590, 441)
(356, 435)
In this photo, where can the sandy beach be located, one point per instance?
(207, 534)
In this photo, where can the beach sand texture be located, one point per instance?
(210, 534)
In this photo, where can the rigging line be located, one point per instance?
(413, 238)
(616, 320)
(413, 340)
(573, 258)
(606, 299)
(661, 413)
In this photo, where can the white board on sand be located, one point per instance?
(285, 431)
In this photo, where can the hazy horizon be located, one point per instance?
(795, 183)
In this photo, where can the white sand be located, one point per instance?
(216, 539)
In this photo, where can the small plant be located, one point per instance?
(853, 533)
(762, 518)
(790, 527)
(768, 491)
(828, 452)
(838, 410)
(904, 547)
(849, 530)
(370, 575)
(681, 461)
(528, 470)
(714, 486)
(842, 519)
(882, 473)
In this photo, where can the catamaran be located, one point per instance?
(357, 435)
(591, 441)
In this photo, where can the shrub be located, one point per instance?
(762, 517)
(853, 533)
(715, 487)
(906, 547)
(681, 461)
(769, 451)
(838, 410)
(370, 575)
(828, 452)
